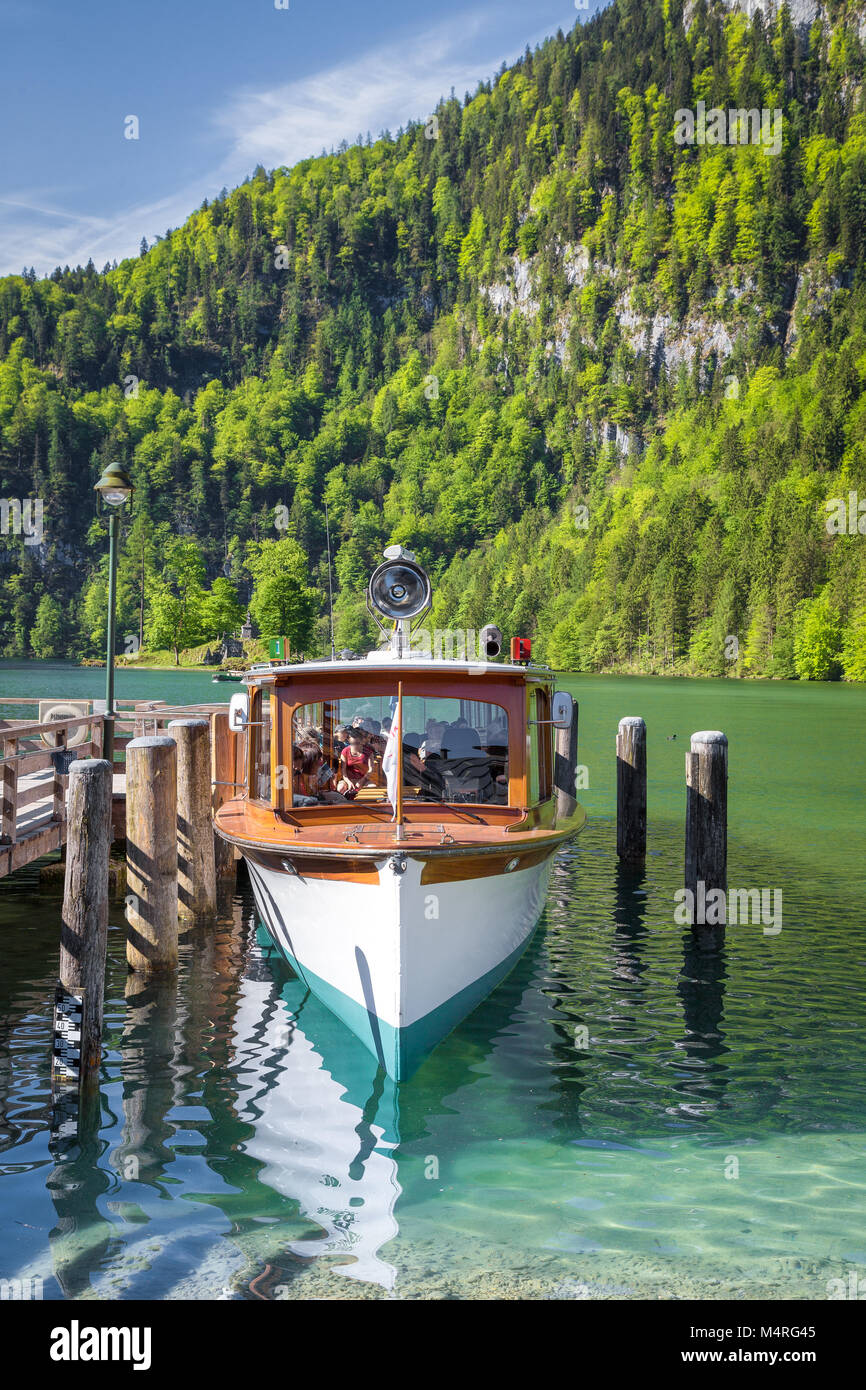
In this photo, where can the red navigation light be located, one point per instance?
(521, 649)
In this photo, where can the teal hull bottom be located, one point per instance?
(400, 1051)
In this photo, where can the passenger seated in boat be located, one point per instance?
(341, 739)
(312, 777)
(376, 746)
(299, 779)
(432, 745)
(375, 740)
(357, 764)
(413, 767)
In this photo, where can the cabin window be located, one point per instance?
(260, 762)
(314, 772)
(540, 729)
(453, 750)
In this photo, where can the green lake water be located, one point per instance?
(626, 1116)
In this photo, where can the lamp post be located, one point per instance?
(116, 489)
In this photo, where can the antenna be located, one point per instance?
(330, 589)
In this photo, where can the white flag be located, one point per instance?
(389, 760)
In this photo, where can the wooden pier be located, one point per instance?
(35, 760)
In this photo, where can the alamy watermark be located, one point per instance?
(846, 517)
(854, 1287)
(736, 907)
(19, 518)
(737, 126)
(77, 1343)
(21, 1290)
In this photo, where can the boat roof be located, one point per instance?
(414, 663)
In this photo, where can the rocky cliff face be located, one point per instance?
(803, 12)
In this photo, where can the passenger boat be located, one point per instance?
(403, 903)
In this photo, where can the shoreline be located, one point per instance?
(613, 673)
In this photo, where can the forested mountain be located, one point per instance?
(604, 380)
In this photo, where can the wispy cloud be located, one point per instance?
(379, 89)
(44, 237)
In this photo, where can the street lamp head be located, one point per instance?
(115, 485)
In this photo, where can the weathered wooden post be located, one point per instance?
(84, 929)
(196, 873)
(222, 778)
(151, 853)
(707, 818)
(9, 805)
(95, 732)
(565, 766)
(58, 791)
(631, 791)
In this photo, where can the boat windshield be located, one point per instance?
(453, 750)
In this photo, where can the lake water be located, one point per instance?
(624, 1117)
(45, 679)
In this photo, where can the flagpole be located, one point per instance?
(398, 809)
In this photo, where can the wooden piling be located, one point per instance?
(707, 813)
(222, 778)
(84, 929)
(196, 872)
(151, 854)
(631, 791)
(58, 790)
(9, 805)
(565, 766)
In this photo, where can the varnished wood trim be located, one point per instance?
(252, 826)
(344, 870)
(455, 870)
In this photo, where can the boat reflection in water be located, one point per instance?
(334, 1132)
(324, 1115)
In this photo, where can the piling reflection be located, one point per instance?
(631, 929)
(151, 1077)
(81, 1236)
(701, 988)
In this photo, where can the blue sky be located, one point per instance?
(218, 87)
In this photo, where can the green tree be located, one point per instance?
(221, 610)
(174, 617)
(283, 604)
(817, 639)
(854, 648)
(48, 636)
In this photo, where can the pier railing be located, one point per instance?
(36, 758)
(35, 761)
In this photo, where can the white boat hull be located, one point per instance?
(399, 961)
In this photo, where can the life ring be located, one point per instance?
(57, 714)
